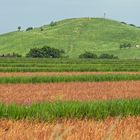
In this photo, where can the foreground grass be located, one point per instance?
(65, 78)
(71, 110)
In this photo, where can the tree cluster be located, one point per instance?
(45, 52)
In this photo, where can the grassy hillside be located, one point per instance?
(76, 36)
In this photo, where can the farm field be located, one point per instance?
(69, 99)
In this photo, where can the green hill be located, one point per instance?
(76, 36)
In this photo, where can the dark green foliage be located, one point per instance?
(132, 25)
(124, 23)
(29, 29)
(125, 45)
(19, 28)
(65, 78)
(53, 23)
(71, 110)
(45, 52)
(88, 55)
(107, 56)
(41, 29)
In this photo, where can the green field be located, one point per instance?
(75, 36)
(63, 65)
(79, 78)
(71, 110)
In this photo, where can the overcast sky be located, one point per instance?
(25, 13)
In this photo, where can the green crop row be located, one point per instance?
(61, 65)
(67, 65)
(71, 110)
(65, 78)
(66, 61)
(72, 68)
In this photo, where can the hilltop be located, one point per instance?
(75, 36)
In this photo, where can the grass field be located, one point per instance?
(72, 110)
(76, 36)
(76, 78)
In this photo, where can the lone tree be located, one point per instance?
(19, 28)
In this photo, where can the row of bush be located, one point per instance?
(11, 55)
(53, 23)
(130, 24)
(94, 56)
(48, 52)
(125, 45)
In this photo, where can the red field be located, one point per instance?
(7, 74)
(29, 93)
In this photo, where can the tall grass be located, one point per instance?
(67, 61)
(68, 68)
(65, 78)
(72, 110)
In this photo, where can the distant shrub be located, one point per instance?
(53, 23)
(107, 56)
(123, 22)
(132, 25)
(29, 29)
(88, 55)
(125, 45)
(41, 29)
(94, 56)
(13, 55)
(45, 52)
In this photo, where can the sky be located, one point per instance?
(35, 13)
